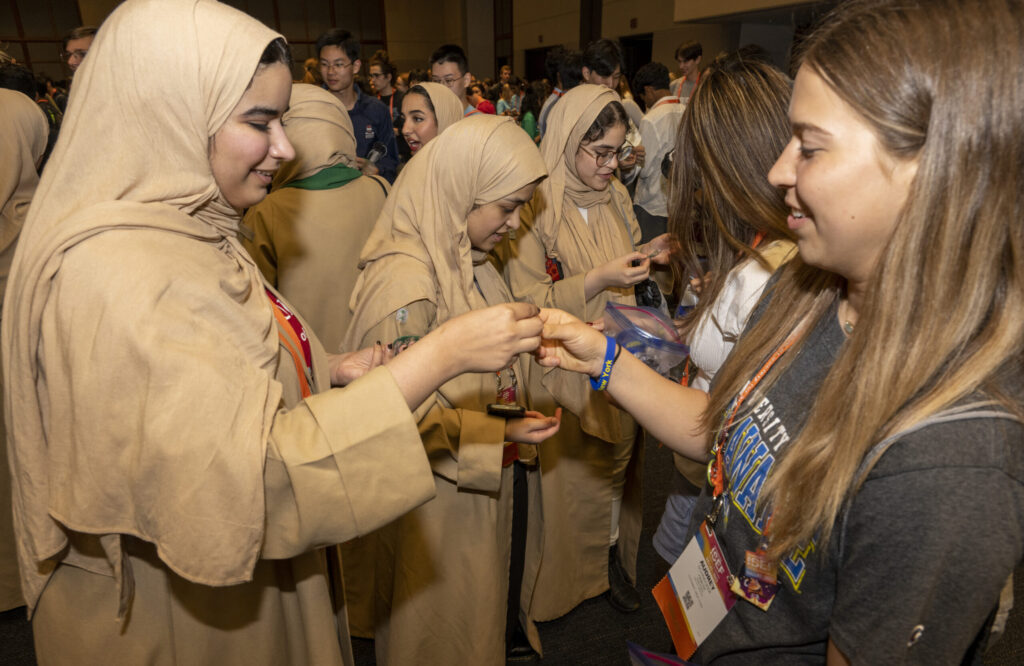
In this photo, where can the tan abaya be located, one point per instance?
(23, 133)
(442, 570)
(171, 486)
(593, 455)
(307, 241)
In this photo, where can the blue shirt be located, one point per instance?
(371, 123)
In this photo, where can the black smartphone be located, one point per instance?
(506, 411)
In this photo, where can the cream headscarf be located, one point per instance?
(581, 245)
(447, 107)
(557, 222)
(320, 130)
(23, 134)
(109, 435)
(419, 248)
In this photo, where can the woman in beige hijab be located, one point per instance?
(307, 233)
(576, 252)
(429, 109)
(443, 569)
(23, 133)
(173, 471)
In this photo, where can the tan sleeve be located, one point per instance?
(261, 247)
(341, 464)
(463, 445)
(527, 276)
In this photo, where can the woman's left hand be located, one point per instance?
(346, 368)
(533, 428)
(658, 249)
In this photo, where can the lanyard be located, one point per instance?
(293, 336)
(715, 470)
(666, 100)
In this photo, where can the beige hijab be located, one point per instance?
(419, 248)
(110, 433)
(23, 134)
(320, 130)
(579, 245)
(447, 107)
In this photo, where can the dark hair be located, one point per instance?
(420, 90)
(689, 50)
(277, 51)
(533, 99)
(611, 115)
(18, 77)
(380, 58)
(343, 39)
(602, 56)
(78, 33)
(450, 53)
(653, 74)
(418, 76)
(570, 70)
(552, 64)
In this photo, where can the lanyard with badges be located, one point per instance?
(699, 590)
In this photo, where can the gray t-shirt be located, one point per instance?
(930, 538)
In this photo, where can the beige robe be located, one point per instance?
(170, 490)
(442, 571)
(307, 242)
(23, 134)
(594, 453)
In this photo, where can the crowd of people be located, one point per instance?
(286, 362)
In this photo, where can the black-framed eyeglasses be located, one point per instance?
(604, 158)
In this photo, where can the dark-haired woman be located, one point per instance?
(576, 251)
(730, 134)
(177, 456)
(534, 97)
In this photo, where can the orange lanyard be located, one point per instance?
(290, 338)
(715, 470)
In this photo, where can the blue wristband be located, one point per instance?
(600, 382)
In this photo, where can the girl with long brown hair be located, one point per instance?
(866, 430)
(731, 226)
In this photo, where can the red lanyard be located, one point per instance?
(293, 336)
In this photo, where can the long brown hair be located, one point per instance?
(943, 321)
(731, 132)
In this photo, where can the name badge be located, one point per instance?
(694, 596)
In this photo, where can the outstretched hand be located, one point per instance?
(568, 343)
(533, 428)
(487, 340)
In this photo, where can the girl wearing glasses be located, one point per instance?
(577, 251)
(867, 448)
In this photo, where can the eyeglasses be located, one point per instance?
(377, 76)
(604, 158)
(335, 65)
(448, 80)
(77, 53)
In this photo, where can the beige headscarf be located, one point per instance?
(419, 248)
(447, 107)
(112, 433)
(320, 130)
(23, 134)
(562, 230)
(581, 245)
